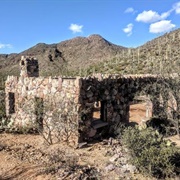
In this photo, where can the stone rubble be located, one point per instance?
(119, 160)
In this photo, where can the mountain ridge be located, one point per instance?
(82, 53)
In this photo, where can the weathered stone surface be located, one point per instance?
(110, 167)
(128, 168)
(67, 100)
(114, 158)
(89, 94)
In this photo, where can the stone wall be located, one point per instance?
(63, 108)
(115, 93)
(55, 99)
(29, 67)
(68, 104)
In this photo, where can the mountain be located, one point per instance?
(69, 55)
(85, 55)
(161, 54)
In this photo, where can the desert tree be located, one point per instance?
(55, 122)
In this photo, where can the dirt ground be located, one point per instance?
(138, 113)
(24, 157)
(28, 157)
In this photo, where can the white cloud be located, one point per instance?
(176, 7)
(5, 46)
(75, 28)
(128, 29)
(166, 14)
(161, 26)
(129, 10)
(152, 16)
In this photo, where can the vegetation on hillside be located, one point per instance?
(84, 56)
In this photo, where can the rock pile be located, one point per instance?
(119, 161)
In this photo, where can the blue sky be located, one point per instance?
(130, 23)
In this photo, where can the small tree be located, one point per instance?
(59, 126)
(56, 123)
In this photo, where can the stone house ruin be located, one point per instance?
(68, 105)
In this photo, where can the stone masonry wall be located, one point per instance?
(115, 93)
(29, 67)
(64, 106)
(57, 98)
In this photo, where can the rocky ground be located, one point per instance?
(29, 157)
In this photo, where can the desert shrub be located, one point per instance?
(58, 126)
(64, 164)
(150, 153)
(117, 129)
(164, 126)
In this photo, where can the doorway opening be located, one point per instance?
(99, 114)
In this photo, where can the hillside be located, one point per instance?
(158, 55)
(69, 55)
(86, 55)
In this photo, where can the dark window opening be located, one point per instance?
(32, 70)
(104, 110)
(39, 108)
(11, 103)
(22, 63)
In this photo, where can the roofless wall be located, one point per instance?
(65, 106)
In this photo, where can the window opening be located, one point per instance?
(22, 63)
(140, 109)
(11, 103)
(99, 114)
(97, 110)
(39, 109)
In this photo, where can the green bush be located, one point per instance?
(162, 125)
(150, 153)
